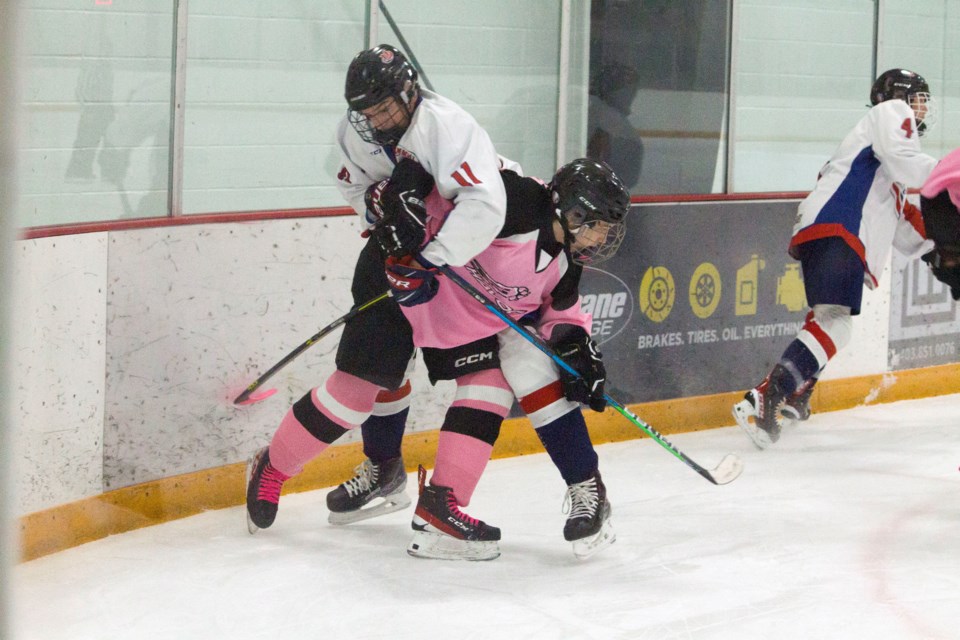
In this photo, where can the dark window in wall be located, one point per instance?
(658, 92)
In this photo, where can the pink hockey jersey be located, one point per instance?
(945, 177)
(514, 272)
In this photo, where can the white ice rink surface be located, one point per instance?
(849, 528)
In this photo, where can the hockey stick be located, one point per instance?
(245, 398)
(730, 466)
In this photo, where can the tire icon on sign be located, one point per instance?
(705, 290)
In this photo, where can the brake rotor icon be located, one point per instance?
(657, 293)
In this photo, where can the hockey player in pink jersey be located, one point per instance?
(389, 118)
(531, 272)
(842, 238)
(940, 206)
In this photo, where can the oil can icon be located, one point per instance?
(790, 291)
(748, 284)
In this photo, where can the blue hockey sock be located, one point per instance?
(800, 362)
(568, 444)
(383, 436)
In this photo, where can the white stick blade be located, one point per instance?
(728, 470)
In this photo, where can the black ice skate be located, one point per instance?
(377, 489)
(442, 531)
(764, 404)
(264, 483)
(796, 408)
(588, 524)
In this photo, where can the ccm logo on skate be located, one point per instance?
(473, 359)
(456, 523)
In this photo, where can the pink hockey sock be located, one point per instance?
(460, 463)
(293, 446)
(342, 403)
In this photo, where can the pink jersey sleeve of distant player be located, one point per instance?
(945, 176)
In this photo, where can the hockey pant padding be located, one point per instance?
(324, 414)
(567, 442)
(375, 345)
(534, 378)
(828, 329)
(469, 430)
(383, 430)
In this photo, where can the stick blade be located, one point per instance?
(728, 470)
(244, 399)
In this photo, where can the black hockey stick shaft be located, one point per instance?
(728, 469)
(327, 330)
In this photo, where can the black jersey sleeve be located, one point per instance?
(528, 205)
(567, 291)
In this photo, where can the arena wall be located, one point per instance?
(130, 346)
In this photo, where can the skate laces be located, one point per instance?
(270, 483)
(582, 499)
(364, 481)
(460, 515)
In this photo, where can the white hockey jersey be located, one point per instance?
(860, 195)
(454, 149)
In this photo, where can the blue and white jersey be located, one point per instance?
(860, 195)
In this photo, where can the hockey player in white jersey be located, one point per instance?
(389, 118)
(842, 238)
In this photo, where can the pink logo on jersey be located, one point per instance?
(386, 57)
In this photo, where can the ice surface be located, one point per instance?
(849, 527)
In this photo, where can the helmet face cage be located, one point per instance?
(592, 202)
(901, 84)
(589, 248)
(926, 109)
(375, 75)
(369, 133)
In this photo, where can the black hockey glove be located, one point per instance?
(409, 175)
(580, 352)
(373, 199)
(402, 229)
(385, 196)
(411, 285)
(948, 275)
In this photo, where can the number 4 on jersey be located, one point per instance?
(908, 126)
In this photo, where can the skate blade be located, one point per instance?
(388, 504)
(586, 547)
(742, 411)
(439, 546)
(248, 473)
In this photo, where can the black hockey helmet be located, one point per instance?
(901, 84)
(586, 192)
(897, 84)
(373, 76)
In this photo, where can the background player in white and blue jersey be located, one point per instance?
(842, 238)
